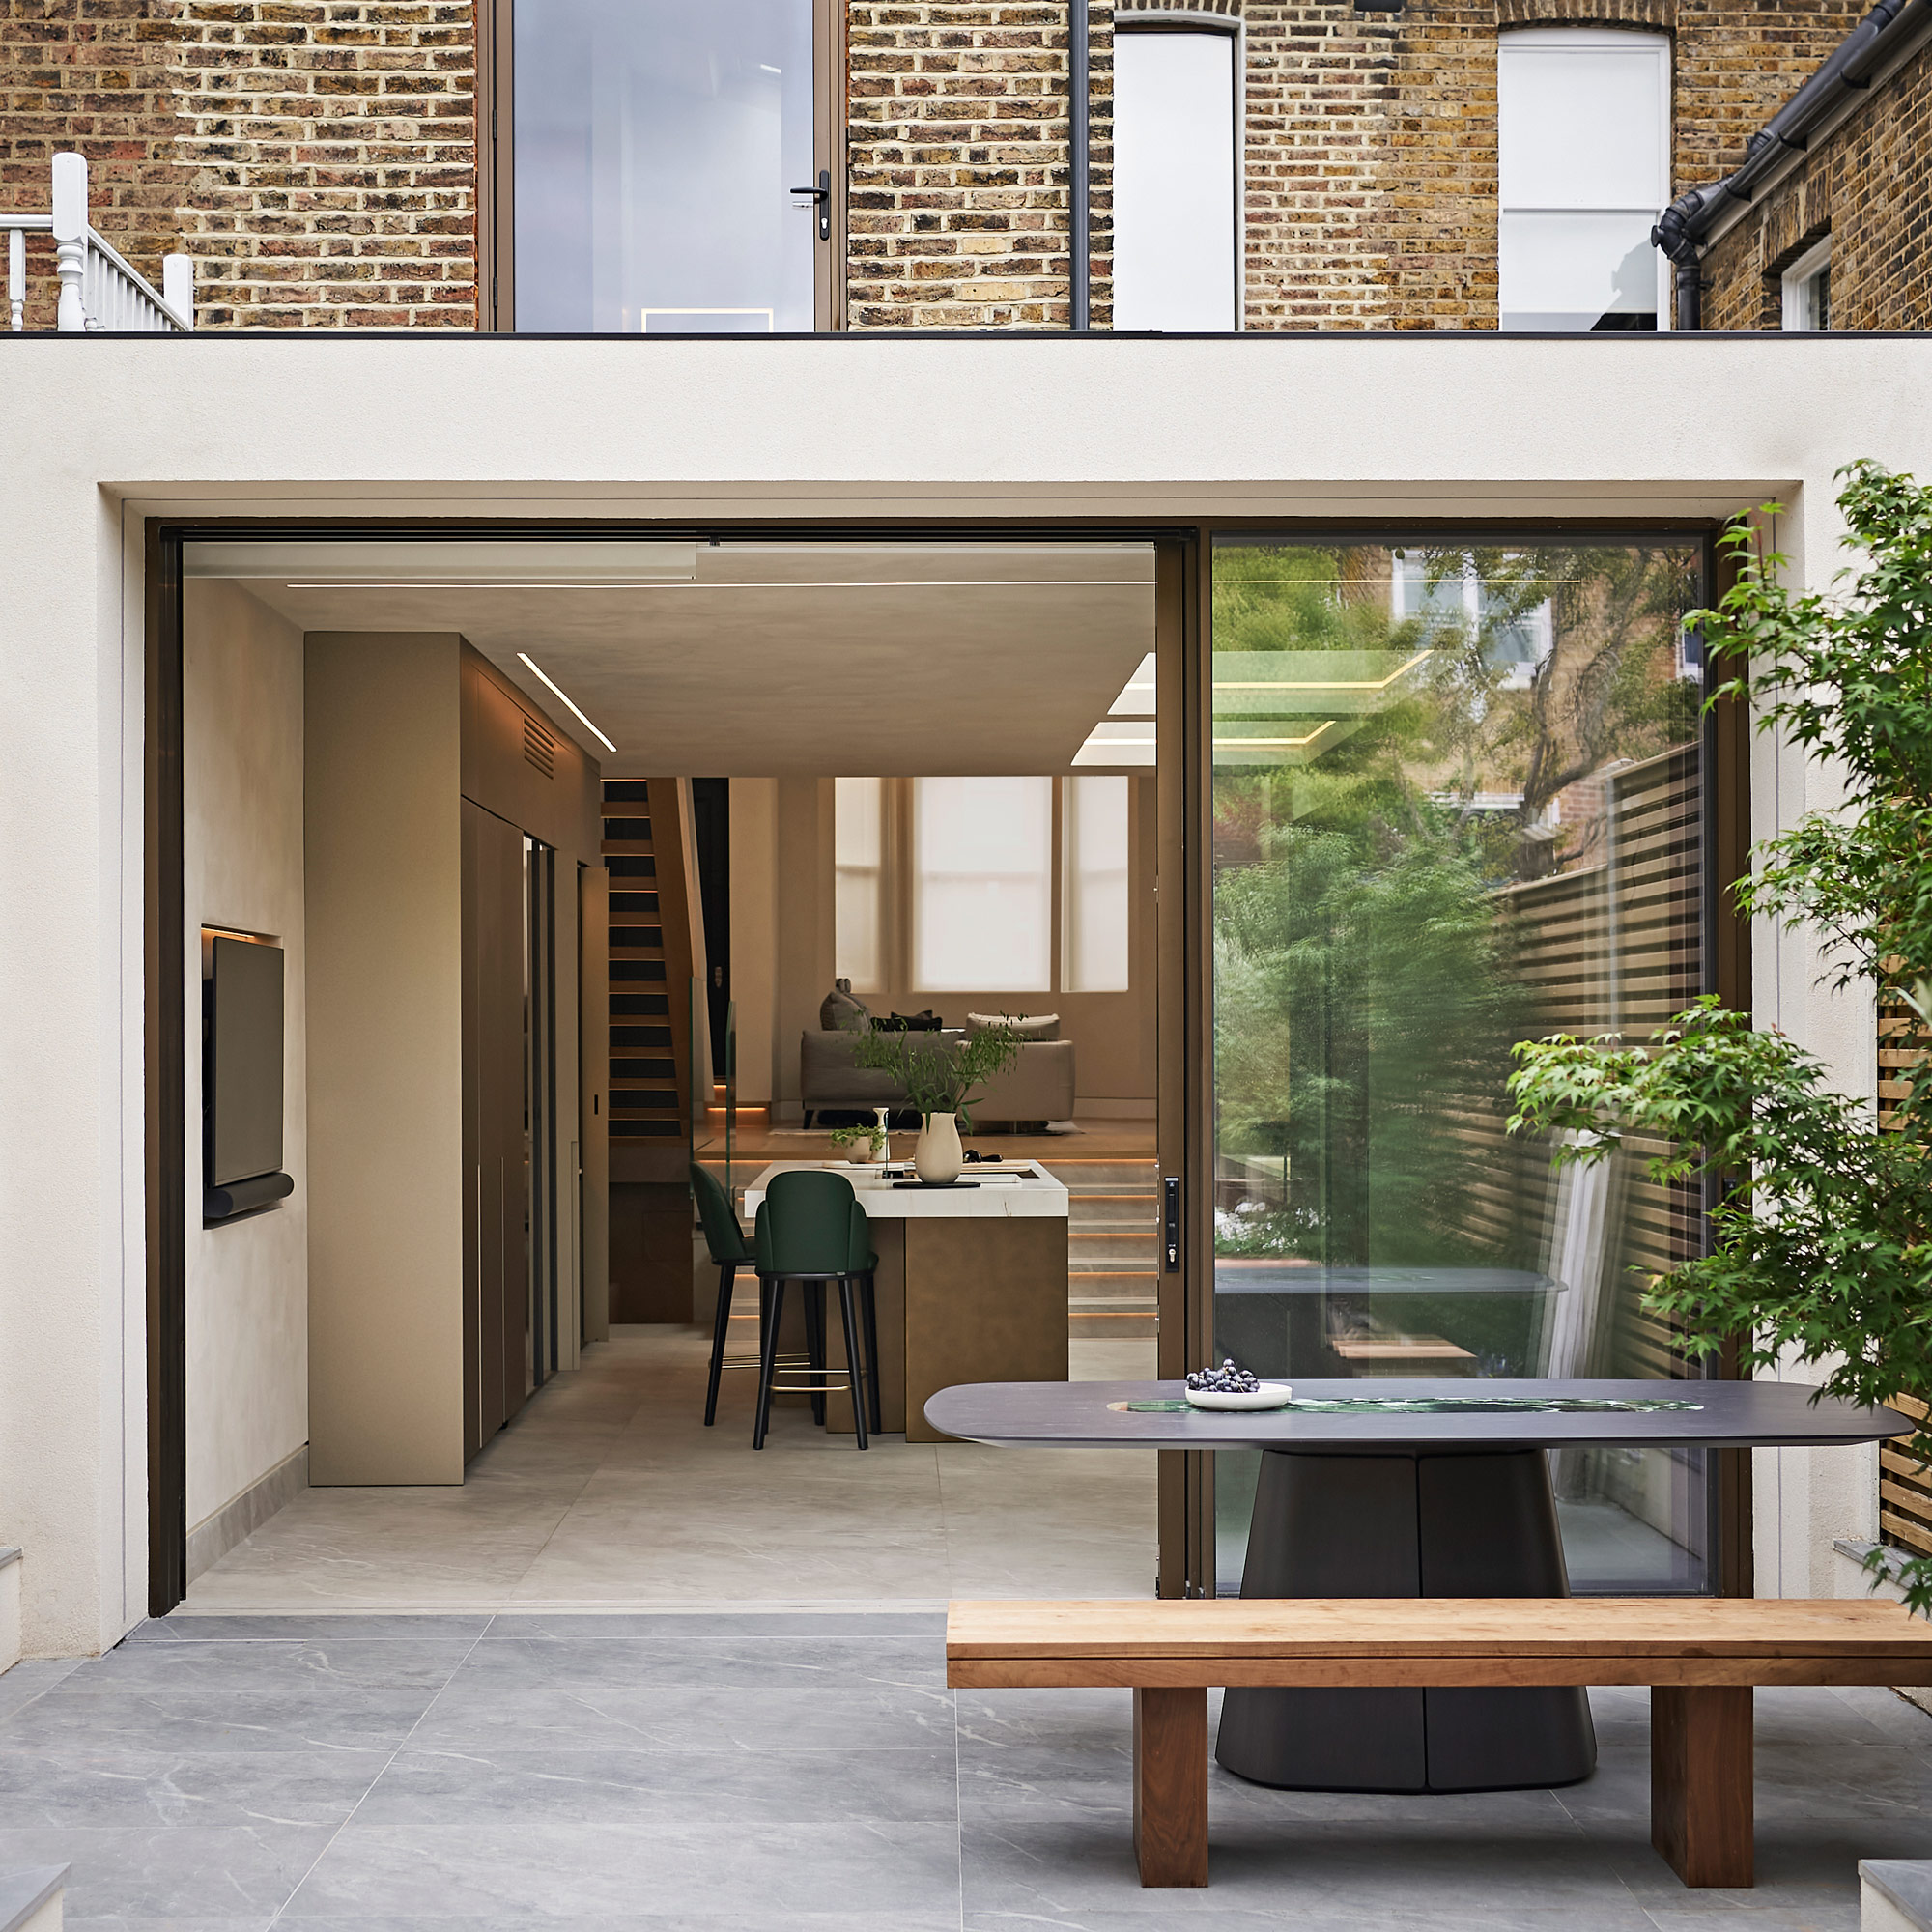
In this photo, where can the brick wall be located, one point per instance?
(957, 206)
(91, 75)
(1869, 188)
(327, 161)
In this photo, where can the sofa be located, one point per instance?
(1038, 1086)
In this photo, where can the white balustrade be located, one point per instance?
(101, 292)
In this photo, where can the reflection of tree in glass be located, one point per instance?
(1365, 997)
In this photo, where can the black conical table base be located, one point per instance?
(1481, 1524)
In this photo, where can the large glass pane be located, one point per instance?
(1174, 180)
(982, 885)
(656, 147)
(1456, 804)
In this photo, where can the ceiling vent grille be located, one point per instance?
(539, 747)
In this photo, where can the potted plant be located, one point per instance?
(940, 1077)
(1821, 1242)
(860, 1144)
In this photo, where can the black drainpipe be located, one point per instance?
(1681, 230)
(1078, 243)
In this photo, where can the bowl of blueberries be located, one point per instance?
(1233, 1388)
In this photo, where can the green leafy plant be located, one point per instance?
(850, 1138)
(1821, 1247)
(940, 1076)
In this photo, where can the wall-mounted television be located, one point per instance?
(242, 1077)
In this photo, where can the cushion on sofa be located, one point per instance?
(1029, 1026)
(840, 1012)
(926, 1022)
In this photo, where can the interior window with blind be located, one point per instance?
(982, 884)
(859, 823)
(1097, 902)
(1457, 803)
(1176, 170)
(1584, 138)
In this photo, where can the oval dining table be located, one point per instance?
(1419, 1488)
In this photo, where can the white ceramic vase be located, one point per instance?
(937, 1157)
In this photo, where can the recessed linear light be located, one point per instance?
(565, 695)
(423, 584)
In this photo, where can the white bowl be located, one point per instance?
(1270, 1395)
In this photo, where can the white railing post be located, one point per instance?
(16, 279)
(177, 287)
(70, 240)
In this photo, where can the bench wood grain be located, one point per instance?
(1701, 1657)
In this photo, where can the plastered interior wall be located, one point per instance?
(383, 790)
(242, 851)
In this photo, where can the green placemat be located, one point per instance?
(1430, 1405)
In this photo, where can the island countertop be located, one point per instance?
(1018, 1190)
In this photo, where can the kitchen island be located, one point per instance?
(971, 1284)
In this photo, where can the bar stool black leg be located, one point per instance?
(853, 1360)
(814, 1345)
(870, 1309)
(771, 1312)
(727, 1275)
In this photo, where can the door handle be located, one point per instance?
(821, 196)
(1171, 1218)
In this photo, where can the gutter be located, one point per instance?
(1684, 227)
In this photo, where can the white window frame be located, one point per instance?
(1585, 40)
(1799, 313)
(1181, 19)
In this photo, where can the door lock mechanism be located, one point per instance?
(821, 195)
(1171, 1222)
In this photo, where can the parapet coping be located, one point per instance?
(1905, 1883)
(10, 1553)
(22, 1894)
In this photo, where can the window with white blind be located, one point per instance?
(1584, 135)
(1096, 917)
(1176, 162)
(982, 884)
(859, 824)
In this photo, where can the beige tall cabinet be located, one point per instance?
(450, 827)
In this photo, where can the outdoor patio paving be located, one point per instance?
(722, 1773)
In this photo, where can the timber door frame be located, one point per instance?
(495, 165)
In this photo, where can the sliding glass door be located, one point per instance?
(1457, 802)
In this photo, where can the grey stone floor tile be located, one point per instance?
(214, 1721)
(1293, 1913)
(184, 1627)
(163, 1872)
(625, 1663)
(34, 1678)
(64, 1788)
(643, 1913)
(1759, 1918)
(122, 1921)
(794, 1625)
(773, 1787)
(561, 1873)
(249, 1664)
(685, 1718)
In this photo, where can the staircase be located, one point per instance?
(1113, 1245)
(649, 1079)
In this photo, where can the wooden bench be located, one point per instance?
(1700, 1656)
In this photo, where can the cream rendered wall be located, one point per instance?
(242, 796)
(386, 1057)
(754, 934)
(110, 432)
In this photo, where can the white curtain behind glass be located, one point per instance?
(1585, 163)
(858, 841)
(982, 884)
(1174, 169)
(655, 146)
(1096, 938)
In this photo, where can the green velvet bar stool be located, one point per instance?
(806, 1234)
(864, 1263)
(725, 1242)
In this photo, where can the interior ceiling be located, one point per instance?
(748, 658)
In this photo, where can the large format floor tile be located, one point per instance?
(709, 1771)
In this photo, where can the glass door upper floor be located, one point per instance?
(660, 168)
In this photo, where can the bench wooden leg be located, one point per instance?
(1171, 1787)
(1700, 1781)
